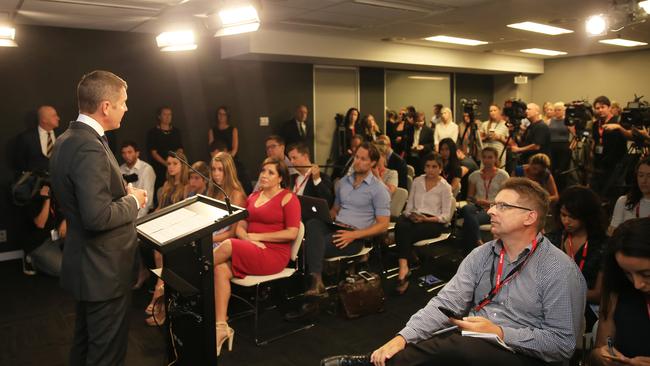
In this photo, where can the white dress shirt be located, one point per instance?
(436, 201)
(416, 138)
(146, 180)
(301, 182)
(42, 136)
(448, 130)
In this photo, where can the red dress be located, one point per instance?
(249, 259)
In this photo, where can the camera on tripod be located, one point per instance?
(636, 114)
(515, 110)
(577, 114)
(470, 106)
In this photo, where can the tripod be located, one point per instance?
(473, 143)
(578, 166)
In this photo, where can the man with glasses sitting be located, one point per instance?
(520, 290)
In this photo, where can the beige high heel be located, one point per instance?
(230, 336)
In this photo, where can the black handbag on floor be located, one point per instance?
(361, 294)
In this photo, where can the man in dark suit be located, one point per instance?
(296, 130)
(420, 143)
(395, 162)
(34, 146)
(309, 181)
(99, 266)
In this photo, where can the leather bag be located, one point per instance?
(361, 294)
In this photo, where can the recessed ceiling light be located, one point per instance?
(541, 51)
(623, 42)
(540, 28)
(8, 43)
(645, 5)
(455, 40)
(596, 25)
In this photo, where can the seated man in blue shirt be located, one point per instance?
(521, 290)
(361, 201)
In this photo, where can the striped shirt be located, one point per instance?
(540, 310)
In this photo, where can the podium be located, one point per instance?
(182, 233)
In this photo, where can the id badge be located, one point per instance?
(599, 149)
(54, 234)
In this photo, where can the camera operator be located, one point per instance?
(610, 145)
(44, 241)
(536, 138)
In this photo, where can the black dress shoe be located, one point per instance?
(307, 310)
(346, 360)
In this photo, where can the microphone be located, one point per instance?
(210, 182)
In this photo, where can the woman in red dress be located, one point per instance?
(263, 242)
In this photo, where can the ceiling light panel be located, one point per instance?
(623, 42)
(544, 52)
(540, 28)
(455, 40)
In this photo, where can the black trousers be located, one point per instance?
(560, 161)
(454, 349)
(408, 232)
(318, 245)
(101, 332)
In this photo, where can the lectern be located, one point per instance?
(182, 233)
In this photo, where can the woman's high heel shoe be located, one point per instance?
(158, 314)
(403, 284)
(158, 292)
(222, 327)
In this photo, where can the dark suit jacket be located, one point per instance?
(100, 246)
(324, 189)
(426, 139)
(29, 155)
(291, 135)
(395, 162)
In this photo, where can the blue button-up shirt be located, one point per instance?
(360, 206)
(540, 311)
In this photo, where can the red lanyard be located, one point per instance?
(638, 209)
(487, 186)
(647, 305)
(584, 251)
(601, 130)
(296, 189)
(495, 290)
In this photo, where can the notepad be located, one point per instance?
(490, 337)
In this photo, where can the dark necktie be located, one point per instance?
(50, 144)
(105, 142)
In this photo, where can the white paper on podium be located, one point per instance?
(175, 224)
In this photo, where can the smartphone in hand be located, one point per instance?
(450, 313)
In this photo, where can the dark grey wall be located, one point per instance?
(371, 93)
(473, 86)
(50, 61)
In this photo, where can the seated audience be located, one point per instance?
(224, 132)
(420, 143)
(520, 289)
(161, 139)
(361, 201)
(34, 147)
(385, 175)
(395, 162)
(446, 128)
(137, 172)
(309, 181)
(223, 173)
(467, 166)
(483, 186)
(494, 133)
(582, 236)
(428, 210)
(451, 169)
(175, 189)
(624, 321)
(536, 138)
(344, 163)
(539, 170)
(275, 149)
(296, 129)
(242, 173)
(43, 242)
(262, 245)
(636, 203)
(196, 184)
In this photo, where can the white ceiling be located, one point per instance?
(485, 20)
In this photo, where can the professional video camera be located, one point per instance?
(577, 114)
(515, 110)
(636, 114)
(340, 119)
(470, 106)
(28, 185)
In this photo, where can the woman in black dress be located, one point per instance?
(223, 131)
(160, 139)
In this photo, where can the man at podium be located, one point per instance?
(100, 247)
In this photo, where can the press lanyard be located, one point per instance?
(584, 251)
(296, 189)
(497, 287)
(601, 130)
(487, 186)
(638, 209)
(647, 305)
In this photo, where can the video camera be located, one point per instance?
(470, 106)
(577, 114)
(515, 110)
(636, 114)
(340, 119)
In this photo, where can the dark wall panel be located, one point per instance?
(472, 86)
(371, 88)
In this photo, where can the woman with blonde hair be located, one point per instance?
(175, 189)
(224, 174)
(447, 128)
(548, 112)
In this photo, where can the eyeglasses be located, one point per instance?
(269, 147)
(501, 206)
